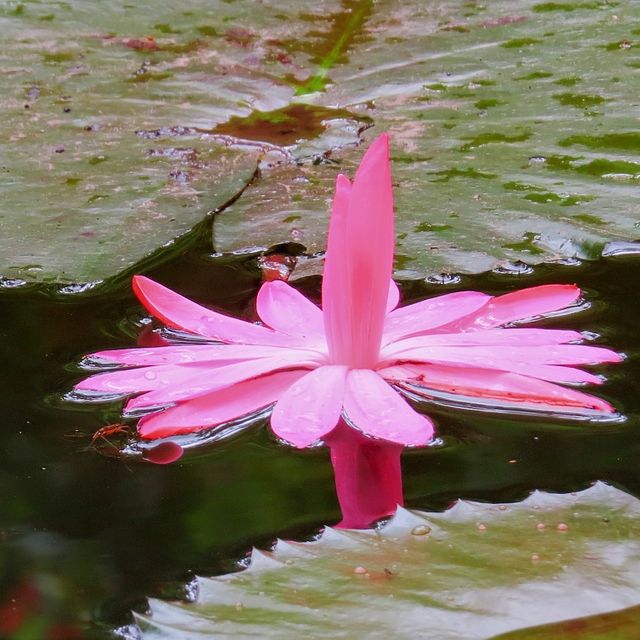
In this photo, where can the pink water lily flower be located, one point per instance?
(340, 373)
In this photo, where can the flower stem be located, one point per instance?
(368, 476)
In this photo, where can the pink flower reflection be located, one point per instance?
(340, 374)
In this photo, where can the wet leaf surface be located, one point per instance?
(479, 100)
(125, 128)
(473, 571)
(617, 625)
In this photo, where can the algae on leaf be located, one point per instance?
(471, 572)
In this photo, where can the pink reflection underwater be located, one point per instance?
(340, 374)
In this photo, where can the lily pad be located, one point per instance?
(121, 127)
(473, 571)
(617, 625)
(486, 104)
(124, 128)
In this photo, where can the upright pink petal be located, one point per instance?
(359, 261)
(374, 408)
(310, 407)
(432, 313)
(286, 310)
(336, 306)
(201, 383)
(218, 407)
(370, 243)
(522, 305)
(180, 313)
(486, 386)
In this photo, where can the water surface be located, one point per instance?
(84, 537)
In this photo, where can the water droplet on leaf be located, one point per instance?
(420, 530)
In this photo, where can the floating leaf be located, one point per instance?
(123, 129)
(471, 572)
(617, 625)
(478, 97)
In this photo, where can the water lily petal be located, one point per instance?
(205, 381)
(359, 260)
(218, 407)
(335, 297)
(489, 385)
(496, 358)
(144, 379)
(377, 410)
(522, 305)
(310, 407)
(549, 372)
(181, 313)
(394, 296)
(430, 314)
(490, 337)
(286, 310)
(217, 354)
(369, 252)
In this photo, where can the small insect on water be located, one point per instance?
(110, 430)
(103, 440)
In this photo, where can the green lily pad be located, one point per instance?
(473, 571)
(476, 98)
(124, 128)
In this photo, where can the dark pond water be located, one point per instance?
(83, 537)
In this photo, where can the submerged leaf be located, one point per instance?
(471, 572)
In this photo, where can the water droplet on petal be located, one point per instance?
(150, 375)
(420, 530)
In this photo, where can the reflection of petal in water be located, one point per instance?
(136, 448)
(493, 406)
(163, 452)
(367, 474)
(91, 396)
